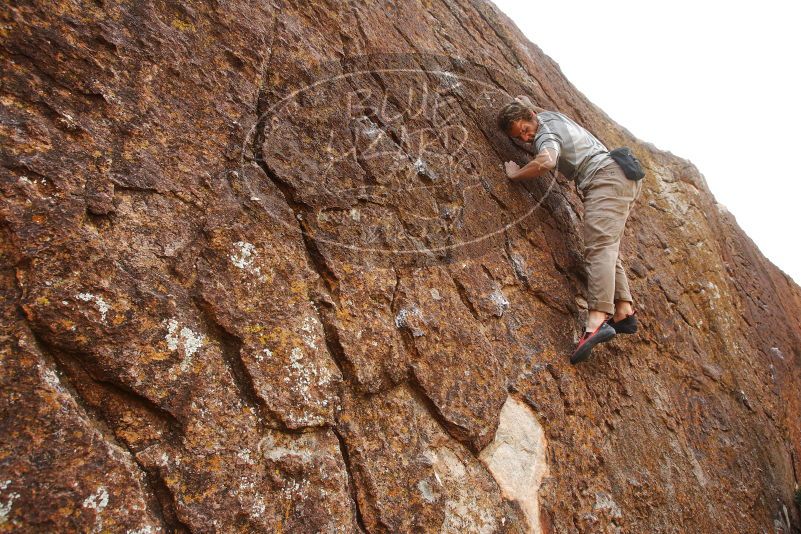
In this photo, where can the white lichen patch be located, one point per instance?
(51, 379)
(7, 502)
(269, 450)
(420, 166)
(519, 265)
(98, 500)
(259, 506)
(714, 290)
(309, 329)
(500, 301)
(605, 502)
(244, 257)
(371, 129)
(244, 456)
(405, 319)
(101, 305)
(516, 458)
(306, 375)
(184, 339)
(278, 453)
(293, 489)
(426, 492)
(265, 353)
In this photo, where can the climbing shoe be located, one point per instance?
(589, 340)
(624, 326)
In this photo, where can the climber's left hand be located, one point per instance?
(512, 169)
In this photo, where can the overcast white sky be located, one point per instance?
(715, 82)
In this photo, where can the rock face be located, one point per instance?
(262, 272)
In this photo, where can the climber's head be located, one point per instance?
(517, 120)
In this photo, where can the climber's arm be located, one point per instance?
(540, 165)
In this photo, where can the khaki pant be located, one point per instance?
(608, 198)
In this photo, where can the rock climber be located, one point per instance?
(608, 196)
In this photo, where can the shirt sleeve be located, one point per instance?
(548, 140)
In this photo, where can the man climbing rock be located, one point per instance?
(608, 196)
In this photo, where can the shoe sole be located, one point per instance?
(584, 352)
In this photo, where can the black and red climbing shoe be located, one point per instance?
(625, 326)
(589, 340)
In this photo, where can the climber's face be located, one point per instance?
(523, 130)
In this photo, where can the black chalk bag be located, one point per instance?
(628, 162)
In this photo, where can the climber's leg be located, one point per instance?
(608, 199)
(623, 319)
(595, 318)
(623, 308)
(623, 300)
